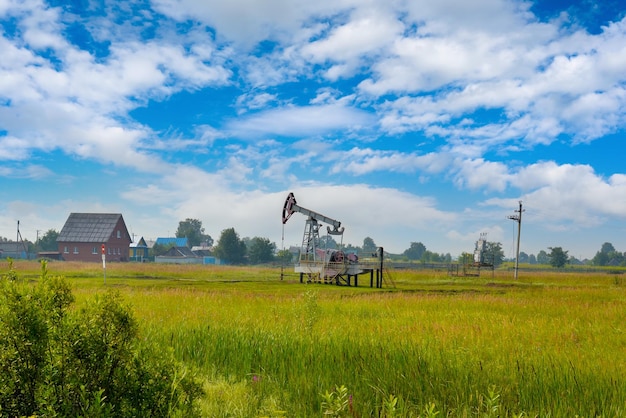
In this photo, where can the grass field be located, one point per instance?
(551, 344)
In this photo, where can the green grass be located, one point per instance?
(548, 344)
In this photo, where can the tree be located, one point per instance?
(616, 258)
(349, 248)
(327, 241)
(431, 257)
(369, 246)
(600, 259)
(523, 257)
(558, 257)
(48, 242)
(260, 250)
(608, 256)
(494, 253)
(532, 259)
(194, 232)
(160, 249)
(542, 257)
(573, 261)
(415, 251)
(607, 248)
(230, 247)
(284, 257)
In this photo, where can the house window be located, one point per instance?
(94, 250)
(75, 250)
(65, 250)
(119, 234)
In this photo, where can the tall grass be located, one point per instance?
(552, 352)
(549, 344)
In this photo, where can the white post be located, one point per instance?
(104, 264)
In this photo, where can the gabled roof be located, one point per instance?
(89, 227)
(184, 252)
(12, 246)
(177, 242)
(140, 243)
(202, 253)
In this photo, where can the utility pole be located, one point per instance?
(19, 240)
(517, 218)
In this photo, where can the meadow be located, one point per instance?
(550, 344)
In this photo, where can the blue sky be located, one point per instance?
(408, 121)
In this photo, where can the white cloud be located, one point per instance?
(138, 71)
(448, 15)
(247, 22)
(481, 174)
(392, 218)
(463, 80)
(12, 148)
(535, 80)
(30, 171)
(567, 194)
(79, 103)
(364, 161)
(299, 121)
(254, 101)
(366, 33)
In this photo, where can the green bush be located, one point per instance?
(59, 361)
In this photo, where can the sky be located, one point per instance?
(405, 120)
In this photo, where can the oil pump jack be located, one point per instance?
(311, 237)
(323, 264)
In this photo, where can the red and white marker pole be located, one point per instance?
(104, 264)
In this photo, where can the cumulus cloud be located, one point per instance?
(246, 22)
(326, 94)
(540, 78)
(363, 210)
(568, 194)
(67, 99)
(365, 34)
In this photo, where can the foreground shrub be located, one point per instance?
(58, 361)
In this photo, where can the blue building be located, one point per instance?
(172, 242)
(138, 250)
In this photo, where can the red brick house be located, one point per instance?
(83, 234)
